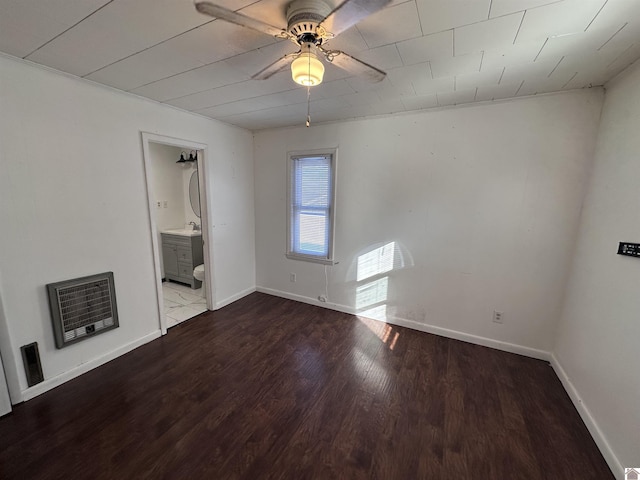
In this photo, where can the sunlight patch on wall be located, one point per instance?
(378, 312)
(372, 298)
(376, 262)
(372, 293)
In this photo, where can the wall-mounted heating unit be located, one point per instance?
(82, 307)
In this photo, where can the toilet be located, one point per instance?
(198, 273)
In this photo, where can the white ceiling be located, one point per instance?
(435, 52)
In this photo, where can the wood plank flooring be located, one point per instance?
(268, 388)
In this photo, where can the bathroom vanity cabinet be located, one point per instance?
(180, 255)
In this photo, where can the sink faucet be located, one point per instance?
(195, 225)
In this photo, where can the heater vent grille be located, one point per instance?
(82, 307)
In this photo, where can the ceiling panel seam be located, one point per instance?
(65, 31)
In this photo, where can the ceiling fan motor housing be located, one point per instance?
(303, 18)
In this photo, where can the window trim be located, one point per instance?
(291, 156)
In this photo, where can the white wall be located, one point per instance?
(167, 178)
(598, 338)
(482, 201)
(73, 203)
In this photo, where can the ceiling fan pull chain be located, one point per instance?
(309, 95)
(308, 106)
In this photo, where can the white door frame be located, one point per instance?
(9, 375)
(5, 401)
(204, 215)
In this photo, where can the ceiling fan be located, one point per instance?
(310, 25)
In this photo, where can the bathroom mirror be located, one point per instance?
(194, 193)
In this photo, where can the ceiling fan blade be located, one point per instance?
(354, 66)
(350, 12)
(275, 67)
(230, 16)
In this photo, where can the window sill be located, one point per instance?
(309, 258)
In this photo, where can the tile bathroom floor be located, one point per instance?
(181, 302)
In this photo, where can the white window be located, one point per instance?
(311, 205)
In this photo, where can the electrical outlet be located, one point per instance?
(497, 317)
(159, 204)
(292, 277)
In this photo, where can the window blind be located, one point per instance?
(311, 205)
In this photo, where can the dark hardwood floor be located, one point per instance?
(268, 388)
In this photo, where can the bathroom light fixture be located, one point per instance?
(193, 156)
(307, 69)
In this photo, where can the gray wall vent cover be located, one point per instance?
(82, 307)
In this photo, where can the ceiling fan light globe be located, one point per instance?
(307, 70)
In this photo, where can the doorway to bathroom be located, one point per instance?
(175, 172)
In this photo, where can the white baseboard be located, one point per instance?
(402, 322)
(475, 339)
(598, 436)
(233, 298)
(308, 300)
(50, 383)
